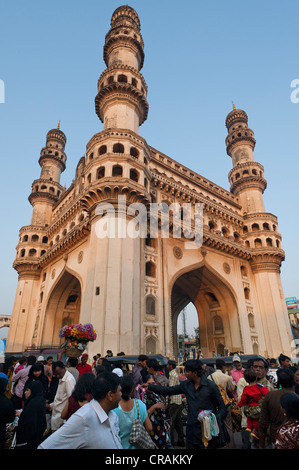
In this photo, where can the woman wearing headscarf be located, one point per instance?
(32, 420)
(36, 373)
(7, 410)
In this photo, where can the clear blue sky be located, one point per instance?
(199, 57)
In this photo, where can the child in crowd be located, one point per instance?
(252, 394)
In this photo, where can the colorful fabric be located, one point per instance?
(287, 436)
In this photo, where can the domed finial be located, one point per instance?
(234, 107)
(58, 125)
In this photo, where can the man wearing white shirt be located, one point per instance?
(65, 388)
(94, 425)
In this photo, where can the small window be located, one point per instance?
(101, 172)
(117, 170)
(150, 306)
(118, 148)
(150, 269)
(134, 175)
(103, 149)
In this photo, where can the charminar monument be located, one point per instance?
(74, 267)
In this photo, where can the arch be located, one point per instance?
(134, 152)
(100, 172)
(258, 243)
(212, 296)
(62, 307)
(118, 148)
(150, 345)
(255, 227)
(269, 242)
(103, 149)
(247, 293)
(134, 175)
(117, 170)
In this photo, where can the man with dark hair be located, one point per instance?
(261, 366)
(271, 413)
(175, 407)
(65, 388)
(138, 368)
(284, 361)
(201, 394)
(94, 425)
(153, 368)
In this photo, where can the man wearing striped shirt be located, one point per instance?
(175, 406)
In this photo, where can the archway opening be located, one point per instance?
(63, 308)
(216, 310)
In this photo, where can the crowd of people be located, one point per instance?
(71, 404)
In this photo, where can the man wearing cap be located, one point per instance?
(83, 367)
(238, 371)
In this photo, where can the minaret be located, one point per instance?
(47, 189)
(121, 100)
(260, 235)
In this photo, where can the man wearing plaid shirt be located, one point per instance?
(175, 406)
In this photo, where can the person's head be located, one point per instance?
(220, 364)
(237, 363)
(23, 360)
(72, 362)
(84, 359)
(260, 366)
(14, 360)
(284, 361)
(59, 369)
(171, 364)
(272, 363)
(83, 386)
(290, 405)
(99, 369)
(250, 375)
(98, 356)
(153, 366)
(295, 369)
(193, 369)
(41, 359)
(126, 383)
(106, 364)
(49, 360)
(107, 390)
(31, 360)
(118, 371)
(36, 371)
(34, 389)
(285, 378)
(142, 360)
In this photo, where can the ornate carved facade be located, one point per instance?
(133, 289)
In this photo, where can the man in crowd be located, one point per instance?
(94, 425)
(272, 417)
(284, 361)
(65, 388)
(83, 367)
(201, 394)
(238, 370)
(227, 384)
(138, 369)
(175, 407)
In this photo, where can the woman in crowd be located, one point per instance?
(127, 412)
(156, 414)
(32, 420)
(82, 394)
(287, 436)
(7, 410)
(36, 373)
